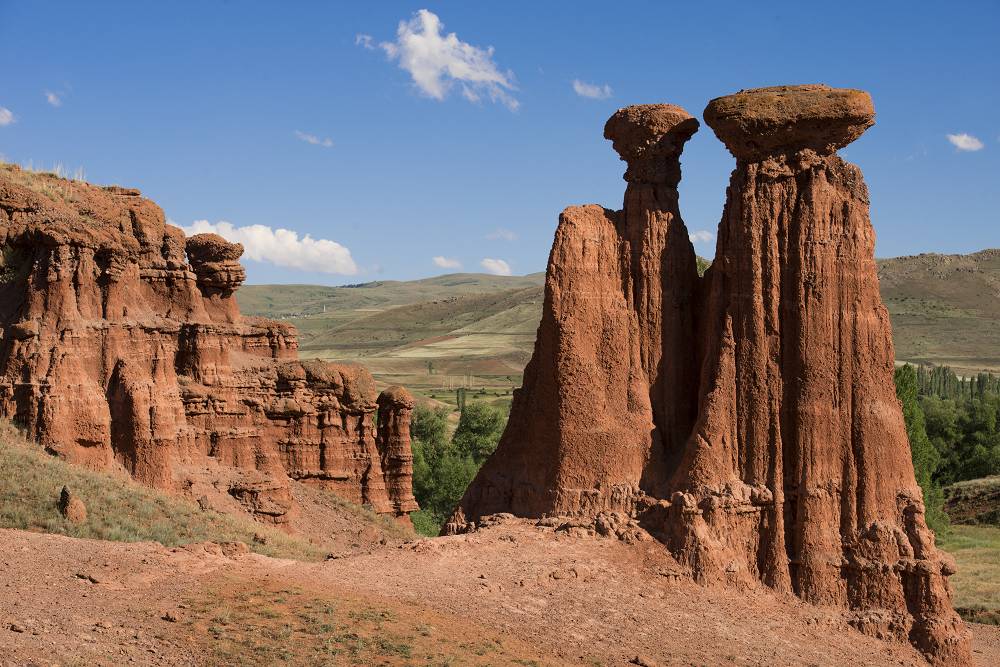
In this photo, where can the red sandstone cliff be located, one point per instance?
(749, 419)
(123, 347)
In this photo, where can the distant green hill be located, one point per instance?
(477, 329)
(283, 301)
(945, 308)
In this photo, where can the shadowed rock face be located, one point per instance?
(607, 367)
(747, 419)
(123, 346)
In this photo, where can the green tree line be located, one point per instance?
(444, 466)
(954, 428)
(953, 425)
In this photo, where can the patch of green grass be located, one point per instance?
(118, 508)
(977, 583)
(371, 615)
(482, 648)
(425, 523)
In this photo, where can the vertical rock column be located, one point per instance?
(583, 432)
(395, 405)
(660, 274)
(798, 470)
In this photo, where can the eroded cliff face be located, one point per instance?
(123, 347)
(747, 419)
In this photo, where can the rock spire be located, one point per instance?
(747, 419)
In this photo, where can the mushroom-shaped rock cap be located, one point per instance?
(650, 138)
(203, 248)
(760, 122)
(396, 397)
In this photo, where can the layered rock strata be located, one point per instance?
(123, 347)
(747, 419)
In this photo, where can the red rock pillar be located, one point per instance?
(395, 405)
(798, 471)
(591, 426)
(660, 273)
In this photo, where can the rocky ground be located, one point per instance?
(512, 594)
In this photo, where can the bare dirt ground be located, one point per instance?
(513, 594)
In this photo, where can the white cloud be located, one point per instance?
(591, 90)
(497, 267)
(702, 236)
(325, 142)
(282, 247)
(54, 99)
(501, 234)
(447, 262)
(437, 61)
(6, 116)
(965, 142)
(364, 40)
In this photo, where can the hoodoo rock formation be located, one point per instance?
(747, 419)
(619, 304)
(123, 347)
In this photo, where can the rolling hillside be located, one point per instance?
(432, 334)
(945, 308)
(352, 301)
(478, 330)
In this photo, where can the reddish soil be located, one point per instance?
(509, 594)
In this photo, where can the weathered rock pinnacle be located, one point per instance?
(602, 397)
(395, 405)
(748, 419)
(650, 138)
(798, 471)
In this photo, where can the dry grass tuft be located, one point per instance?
(55, 185)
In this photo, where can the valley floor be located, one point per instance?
(513, 594)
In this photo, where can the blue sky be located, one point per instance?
(280, 115)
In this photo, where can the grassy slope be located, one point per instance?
(977, 583)
(974, 501)
(405, 325)
(117, 508)
(300, 300)
(945, 308)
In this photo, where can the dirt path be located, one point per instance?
(511, 595)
